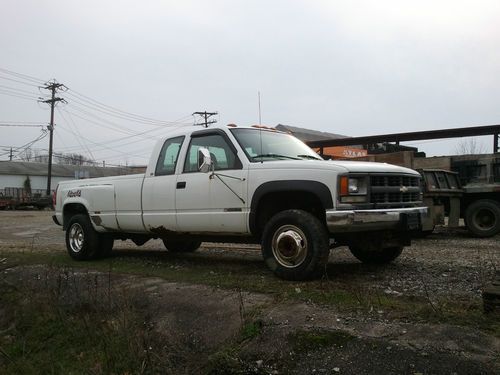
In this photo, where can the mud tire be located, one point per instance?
(82, 241)
(295, 245)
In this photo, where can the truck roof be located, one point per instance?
(192, 128)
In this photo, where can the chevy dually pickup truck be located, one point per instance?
(246, 185)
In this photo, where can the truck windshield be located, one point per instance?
(263, 145)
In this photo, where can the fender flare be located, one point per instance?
(75, 202)
(320, 190)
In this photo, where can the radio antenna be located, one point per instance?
(260, 118)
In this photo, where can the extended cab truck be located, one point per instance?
(246, 184)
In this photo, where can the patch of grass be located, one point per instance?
(456, 312)
(51, 340)
(304, 341)
(48, 331)
(252, 276)
(191, 268)
(225, 361)
(251, 329)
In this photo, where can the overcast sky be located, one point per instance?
(347, 67)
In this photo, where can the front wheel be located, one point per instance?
(379, 255)
(295, 245)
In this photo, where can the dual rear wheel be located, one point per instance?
(83, 242)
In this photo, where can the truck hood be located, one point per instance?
(336, 165)
(367, 166)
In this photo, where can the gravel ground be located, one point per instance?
(446, 263)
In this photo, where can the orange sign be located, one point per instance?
(344, 152)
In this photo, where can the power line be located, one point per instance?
(24, 147)
(14, 92)
(21, 125)
(104, 146)
(129, 133)
(107, 121)
(126, 137)
(95, 104)
(102, 122)
(76, 129)
(21, 91)
(132, 142)
(22, 76)
(116, 114)
(121, 152)
(21, 122)
(18, 81)
(15, 95)
(109, 108)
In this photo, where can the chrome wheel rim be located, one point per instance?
(289, 246)
(76, 238)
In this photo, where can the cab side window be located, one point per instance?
(222, 154)
(168, 156)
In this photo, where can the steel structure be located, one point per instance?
(471, 131)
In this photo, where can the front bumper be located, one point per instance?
(402, 219)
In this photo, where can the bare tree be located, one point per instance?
(40, 158)
(57, 157)
(26, 155)
(470, 146)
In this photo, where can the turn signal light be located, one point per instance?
(344, 185)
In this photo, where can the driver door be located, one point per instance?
(212, 202)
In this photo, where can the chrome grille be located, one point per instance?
(394, 190)
(391, 180)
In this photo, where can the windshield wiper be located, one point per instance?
(309, 157)
(274, 156)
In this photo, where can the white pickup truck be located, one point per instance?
(246, 185)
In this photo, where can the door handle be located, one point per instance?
(181, 185)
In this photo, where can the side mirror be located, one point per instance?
(204, 160)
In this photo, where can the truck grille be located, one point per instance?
(394, 191)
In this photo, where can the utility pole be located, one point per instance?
(53, 87)
(10, 154)
(206, 115)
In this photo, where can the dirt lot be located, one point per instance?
(219, 310)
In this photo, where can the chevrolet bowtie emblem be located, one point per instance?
(403, 189)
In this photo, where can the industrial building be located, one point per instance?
(16, 174)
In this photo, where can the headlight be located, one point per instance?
(353, 189)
